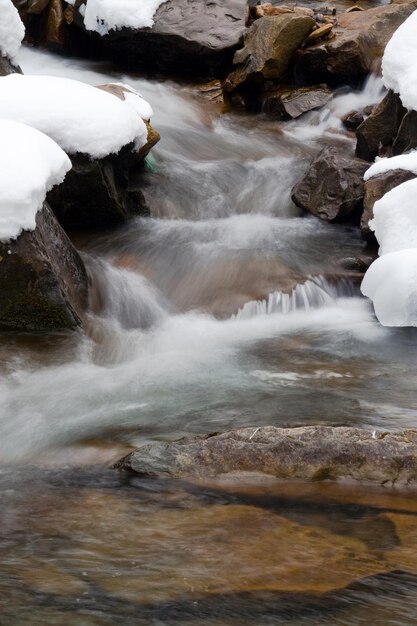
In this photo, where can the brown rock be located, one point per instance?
(313, 452)
(317, 34)
(43, 282)
(352, 120)
(269, 45)
(291, 102)
(380, 128)
(375, 188)
(406, 138)
(333, 186)
(356, 50)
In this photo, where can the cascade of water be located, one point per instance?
(315, 292)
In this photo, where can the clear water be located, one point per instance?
(201, 320)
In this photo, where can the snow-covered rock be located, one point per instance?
(407, 162)
(30, 165)
(391, 283)
(395, 218)
(399, 63)
(105, 15)
(80, 118)
(12, 30)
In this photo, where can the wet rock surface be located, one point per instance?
(7, 67)
(43, 282)
(332, 187)
(316, 453)
(375, 188)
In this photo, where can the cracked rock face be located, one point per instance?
(314, 452)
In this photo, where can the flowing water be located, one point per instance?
(225, 308)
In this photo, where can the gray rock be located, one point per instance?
(189, 37)
(332, 187)
(43, 282)
(313, 452)
(290, 103)
(7, 67)
(375, 188)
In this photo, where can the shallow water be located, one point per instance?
(201, 320)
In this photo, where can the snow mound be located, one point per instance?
(80, 118)
(12, 30)
(399, 63)
(395, 218)
(30, 165)
(135, 100)
(391, 283)
(105, 15)
(406, 162)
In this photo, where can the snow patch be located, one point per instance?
(30, 165)
(399, 63)
(12, 30)
(406, 162)
(80, 118)
(103, 16)
(395, 218)
(391, 283)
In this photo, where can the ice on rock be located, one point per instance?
(406, 162)
(79, 117)
(12, 30)
(30, 165)
(391, 283)
(105, 15)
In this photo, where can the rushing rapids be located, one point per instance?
(225, 308)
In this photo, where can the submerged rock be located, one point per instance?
(377, 187)
(43, 282)
(332, 187)
(357, 48)
(312, 452)
(380, 128)
(269, 45)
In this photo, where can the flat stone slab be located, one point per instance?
(312, 452)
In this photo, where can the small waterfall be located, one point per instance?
(316, 292)
(125, 296)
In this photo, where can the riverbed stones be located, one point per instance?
(291, 102)
(312, 452)
(43, 282)
(375, 188)
(269, 45)
(357, 48)
(332, 187)
(378, 130)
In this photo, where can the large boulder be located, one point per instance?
(357, 48)
(269, 45)
(189, 37)
(378, 131)
(43, 282)
(375, 188)
(332, 187)
(312, 452)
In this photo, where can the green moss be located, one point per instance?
(34, 313)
